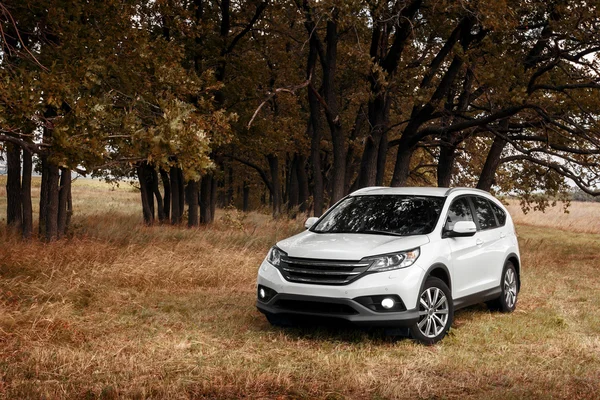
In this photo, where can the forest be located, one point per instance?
(294, 104)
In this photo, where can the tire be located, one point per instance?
(509, 285)
(436, 312)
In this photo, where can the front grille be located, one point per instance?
(321, 272)
(315, 307)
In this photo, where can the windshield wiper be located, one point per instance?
(377, 232)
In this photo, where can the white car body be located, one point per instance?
(471, 266)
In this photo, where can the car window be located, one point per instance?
(458, 211)
(390, 214)
(500, 214)
(484, 213)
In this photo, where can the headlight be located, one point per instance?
(274, 256)
(390, 262)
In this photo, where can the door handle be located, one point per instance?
(503, 235)
(479, 242)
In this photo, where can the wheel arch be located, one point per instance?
(440, 271)
(514, 259)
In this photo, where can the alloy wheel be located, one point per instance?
(510, 288)
(433, 312)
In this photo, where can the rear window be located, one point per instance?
(500, 214)
(484, 212)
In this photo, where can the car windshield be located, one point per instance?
(398, 215)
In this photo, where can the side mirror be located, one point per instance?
(462, 229)
(310, 222)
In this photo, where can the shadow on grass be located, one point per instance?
(339, 330)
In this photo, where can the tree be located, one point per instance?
(243, 102)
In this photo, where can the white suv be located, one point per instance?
(396, 257)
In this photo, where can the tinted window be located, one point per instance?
(458, 211)
(500, 214)
(387, 214)
(484, 213)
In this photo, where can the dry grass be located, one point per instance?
(580, 217)
(125, 311)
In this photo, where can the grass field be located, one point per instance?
(125, 311)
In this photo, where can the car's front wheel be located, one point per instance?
(436, 312)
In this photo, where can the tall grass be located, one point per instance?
(126, 311)
(578, 217)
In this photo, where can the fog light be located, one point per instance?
(261, 293)
(387, 303)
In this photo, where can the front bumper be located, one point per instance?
(337, 308)
(404, 283)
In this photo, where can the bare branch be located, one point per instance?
(7, 13)
(291, 90)
(258, 169)
(29, 146)
(259, 10)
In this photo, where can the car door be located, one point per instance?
(465, 254)
(491, 249)
(506, 240)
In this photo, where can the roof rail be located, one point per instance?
(368, 189)
(456, 189)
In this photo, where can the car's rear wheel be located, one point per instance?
(509, 284)
(436, 312)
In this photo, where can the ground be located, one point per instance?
(126, 311)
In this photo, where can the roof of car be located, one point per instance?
(415, 191)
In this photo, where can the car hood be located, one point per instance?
(347, 246)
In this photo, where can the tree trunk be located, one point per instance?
(192, 195)
(154, 191)
(146, 194)
(229, 199)
(205, 186)
(446, 165)
(338, 178)
(176, 186)
(14, 209)
(213, 197)
(488, 173)
(378, 110)
(293, 190)
(314, 131)
(164, 175)
(221, 192)
(302, 183)
(27, 223)
(274, 169)
(326, 168)
(367, 175)
(338, 139)
(52, 207)
(381, 159)
(69, 207)
(285, 186)
(43, 198)
(63, 201)
(317, 173)
(246, 196)
(402, 167)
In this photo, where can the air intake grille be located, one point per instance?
(315, 307)
(321, 272)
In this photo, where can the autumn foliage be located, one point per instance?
(294, 103)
